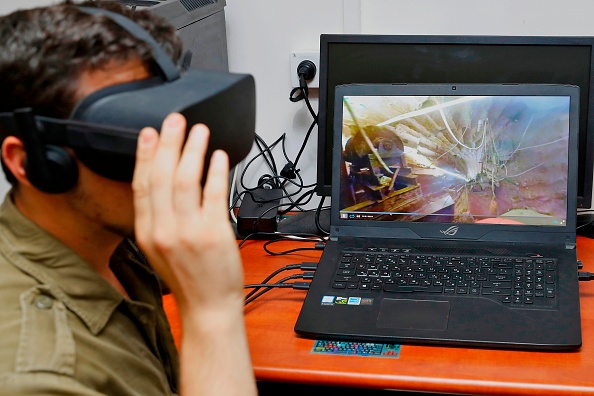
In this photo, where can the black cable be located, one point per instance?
(305, 140)
(285, 180)
(237, 198)
(284, 148)
(294, 250)
(303, 90)
(297, 98)
(259, 285)
(270, 161)
(276, 272)
(585, 276)
(274, 180)
(271, 165)
(267, 180)
(268, 149)
(257, 292)
(310, 108)
(280, 234)
(586, 214)
(261, 153)
(318, 246)
(267, 289)
(303, 95)
(309, 193)
(290, 169)
(317, 217)
(294, 285)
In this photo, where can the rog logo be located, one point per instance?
(450, 231)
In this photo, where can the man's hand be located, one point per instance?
(184, 230)
(185, 233)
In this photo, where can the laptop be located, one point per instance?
(453, 218)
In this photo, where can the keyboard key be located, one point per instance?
(412, 289)
(498, 285)
(496, 292)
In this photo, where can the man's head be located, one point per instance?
(45, 54)
(50, 59)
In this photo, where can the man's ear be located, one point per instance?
(14, 156)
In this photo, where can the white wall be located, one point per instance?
(478, 17)
(12, 5)
(262, 33)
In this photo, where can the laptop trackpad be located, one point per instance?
(413, 314)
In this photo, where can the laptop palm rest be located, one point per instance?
(413, 314)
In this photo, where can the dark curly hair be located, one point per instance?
(43, 52)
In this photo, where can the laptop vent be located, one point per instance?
(192, 5)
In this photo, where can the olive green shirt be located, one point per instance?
(65, 330)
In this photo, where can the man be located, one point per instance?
(81, 309)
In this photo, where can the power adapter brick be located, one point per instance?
(258, 211)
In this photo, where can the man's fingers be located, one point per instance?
(163, 171)
(189, 172)
(167, 190)
(216, 188)
(145, 151)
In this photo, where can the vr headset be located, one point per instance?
(104, 126)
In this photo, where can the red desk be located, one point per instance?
(279, 355)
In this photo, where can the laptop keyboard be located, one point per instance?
(520, 282)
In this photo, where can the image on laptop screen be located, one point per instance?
(455, 159)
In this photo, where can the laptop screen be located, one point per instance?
(474, 159)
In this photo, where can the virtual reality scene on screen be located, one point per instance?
(455, 159)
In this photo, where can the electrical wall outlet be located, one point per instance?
(296, 59)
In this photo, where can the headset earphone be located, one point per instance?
(49, 168)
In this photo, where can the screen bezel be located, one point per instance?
(420, 230)
(325, 132)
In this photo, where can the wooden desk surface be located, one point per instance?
(278, 354)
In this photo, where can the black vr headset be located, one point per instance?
(103, 127)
